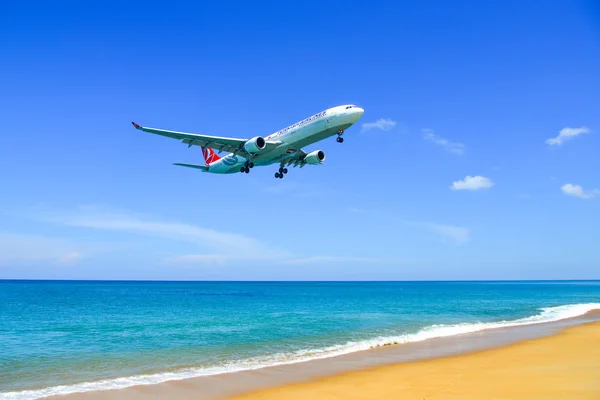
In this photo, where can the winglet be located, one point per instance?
(136, 125)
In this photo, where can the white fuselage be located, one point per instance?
(303, 133)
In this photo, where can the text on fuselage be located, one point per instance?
(298, 124)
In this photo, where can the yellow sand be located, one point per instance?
(564, 366)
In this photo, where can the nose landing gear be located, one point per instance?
(340, 139)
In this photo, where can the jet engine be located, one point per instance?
(255, 144)
(315, 157)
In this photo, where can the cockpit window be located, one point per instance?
(349, 107)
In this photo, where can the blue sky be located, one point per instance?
(476, 158)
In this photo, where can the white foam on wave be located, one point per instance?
(550, 314)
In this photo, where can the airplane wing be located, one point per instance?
(232, 145)
(295, 159)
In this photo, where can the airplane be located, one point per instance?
(283, 147)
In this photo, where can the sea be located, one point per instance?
(59, 337)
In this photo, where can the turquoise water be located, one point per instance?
(62, 337)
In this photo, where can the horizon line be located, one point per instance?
(296, 281)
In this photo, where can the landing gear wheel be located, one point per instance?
(285, 171)
(340, 139)
(280, 176)
(243, 169)
(251, 164)
(281, 169)
(277, 174)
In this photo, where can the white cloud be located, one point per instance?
(472, 183)
(457, 234)
(224, 243)
(567, 134)
(19, 248)
(219, 259)
(222, 247)
(335, 260)
(577, 191)
(224, 259)
(209, 259)
(451, 147)
(382, 124)
(69, 258)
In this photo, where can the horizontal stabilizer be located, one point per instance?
(202, 167)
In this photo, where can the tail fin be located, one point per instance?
(209, 155)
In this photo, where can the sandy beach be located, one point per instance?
(563, 366)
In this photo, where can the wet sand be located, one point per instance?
(564, 351)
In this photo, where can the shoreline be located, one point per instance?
(226, 385)
(559, 366)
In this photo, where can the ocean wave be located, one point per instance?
(550, 314)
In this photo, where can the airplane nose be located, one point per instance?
(358, 112)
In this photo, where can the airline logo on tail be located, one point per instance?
(209, 155)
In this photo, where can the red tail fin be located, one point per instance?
(209, 155)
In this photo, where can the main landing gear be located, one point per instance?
(340, 139)
(247, 166)
(282, 171)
